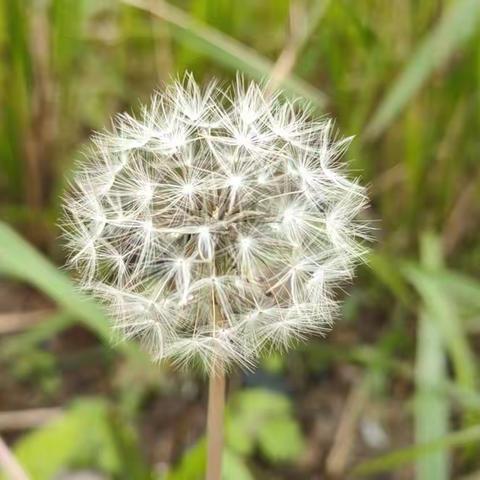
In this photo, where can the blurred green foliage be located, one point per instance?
(401, 75)
(263, 419)
(87, 436)
(256, 419)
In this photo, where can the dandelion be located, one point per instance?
(216, 226)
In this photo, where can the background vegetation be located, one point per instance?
(393, 392)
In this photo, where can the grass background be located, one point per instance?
(403, 76)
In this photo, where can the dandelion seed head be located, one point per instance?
(216, 225)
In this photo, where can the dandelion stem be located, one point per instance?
(216, 408)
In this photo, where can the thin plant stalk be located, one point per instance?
(240, 243)
(216, 408)
(216, 404)
(9, 464)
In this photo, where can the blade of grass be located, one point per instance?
(395, 459)
(21, 261)
(431, 404)
(67, 24)
(302, 26)
(14, 95)
(36, 334)
(224, 49)
(444, 312)
(456, 26)
(387, 272)
(465, 290)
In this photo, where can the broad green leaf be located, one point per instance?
(86, 436)
(259, 417)
(281, 440)
(77, 438)
(241, 436)
(224, 49)
(234, 467)
(193, 463)
(246, 416)
(457, 25)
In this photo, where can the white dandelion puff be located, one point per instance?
(217, 224)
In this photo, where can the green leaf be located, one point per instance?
(260, 417)
(224, 49)
(247, 413)
(193, 463)
(456, 26)
(82, 438)
(234, 467)
(281, 440)
(241, 437)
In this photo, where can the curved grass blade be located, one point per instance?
(431, 403)
(20, 260)
(224, 49)
(455, 27)
(448, 323)
(395, 459)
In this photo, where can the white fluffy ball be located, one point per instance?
(217, 224)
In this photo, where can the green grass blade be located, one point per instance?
(21, 261)
(393, 460)
(431, 403)
(386, 270)
(465, 290)
(34, 335)
(224, 49)
(444, 312)
(15, 85)
(67, 24)
(455, 27)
